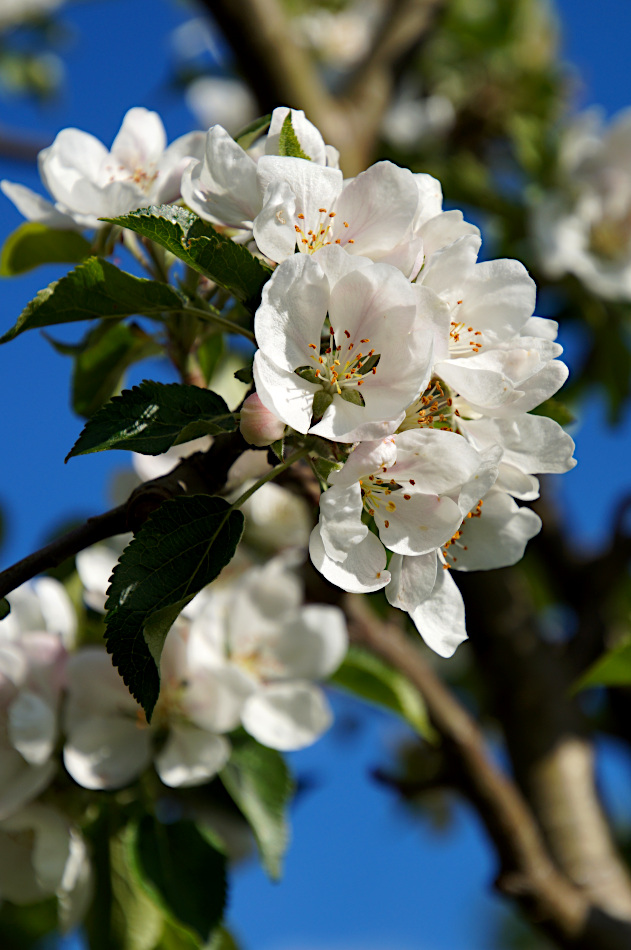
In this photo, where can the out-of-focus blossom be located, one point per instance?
(412, 119)
(42, 855)
(13, 12)
(584, 227)
(88, 182)
(219, 100)
(41, 604)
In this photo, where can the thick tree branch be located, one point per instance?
(527, 872)
(280, 72)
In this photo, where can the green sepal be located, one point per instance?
(353, 396)
(277, 448)
(95, 289)
(180, 549)
(323, 467)
(369, 364)
(253, 131)
(308, 373)
(153, 417)
(244, 375)
(321, 402)
(34, 244)
(288, 143)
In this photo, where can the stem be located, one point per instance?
(298, 454)
(211, 317)
(130, 241)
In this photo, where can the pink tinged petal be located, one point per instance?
(364, 460)
(440, 619)
(341, 526)
(257, 424)
(107, 752)
(223, 188)
(191, 757)
(416, 525)
(361, 572)
(32, 727)
(413, 580)
(19, 782)
(497, 538)
(36, 208)
(379, 206)
(312, 645)
(140, 141)
(307, 134)
(289, 322)
(282, 392)
(287, 716)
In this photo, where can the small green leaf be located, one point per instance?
(367, 676)
(321, 402)
(33, 244)
(95, 289)
(100, 363)
(152, 417)
(183, 873)
(555, 409)
(353, 396)
(196, 242)
(288, 143)
(180, 549)
(277, 448)
(253, 131)
(210, 354)
(612, 669)
(136, 920)
(5, 608)
(259, 781)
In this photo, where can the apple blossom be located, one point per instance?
(342, 349)
(87, 182)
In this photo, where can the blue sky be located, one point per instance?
(360, 874)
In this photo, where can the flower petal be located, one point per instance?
(287, 716)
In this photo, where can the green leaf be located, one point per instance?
(152, 417)
(244, 375)
(612, 669)
(365, 675)
(196, 242)
(555, 409)
(253, 131)
(210, 354)
(5, 608)
(259, 781)
(180, 549)
(107, 351)
(288, 143)
(136, 920)
(95, 289)
(33, 244)
(184, 874)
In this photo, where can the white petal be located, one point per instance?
(191, 757)
(312, 645)
(440, 619)
(36, 208)
(141, 139)
(307, 134)
(418, 524)
(32, 727)
(362, 571)
(413, 580)
(107, 753)
(497, 538)
(21, 783)
(284, 393)
(287, 716)
(223, 187)
(341, 526)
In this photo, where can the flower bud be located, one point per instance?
(258, 425)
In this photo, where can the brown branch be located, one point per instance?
(281, 72)
(203, 472)
(527, 872)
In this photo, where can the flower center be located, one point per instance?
(434, 409)
(339, 368)
(609, 238)
(455, 541)
(320, 234)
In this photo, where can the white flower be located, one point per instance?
(41, 604)
(260, 631)
(42, 855)
(491, 353)
(32, 673)
(342, 350)
(87, 182)
(584, 227)
(417, 487)
(493, 534)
